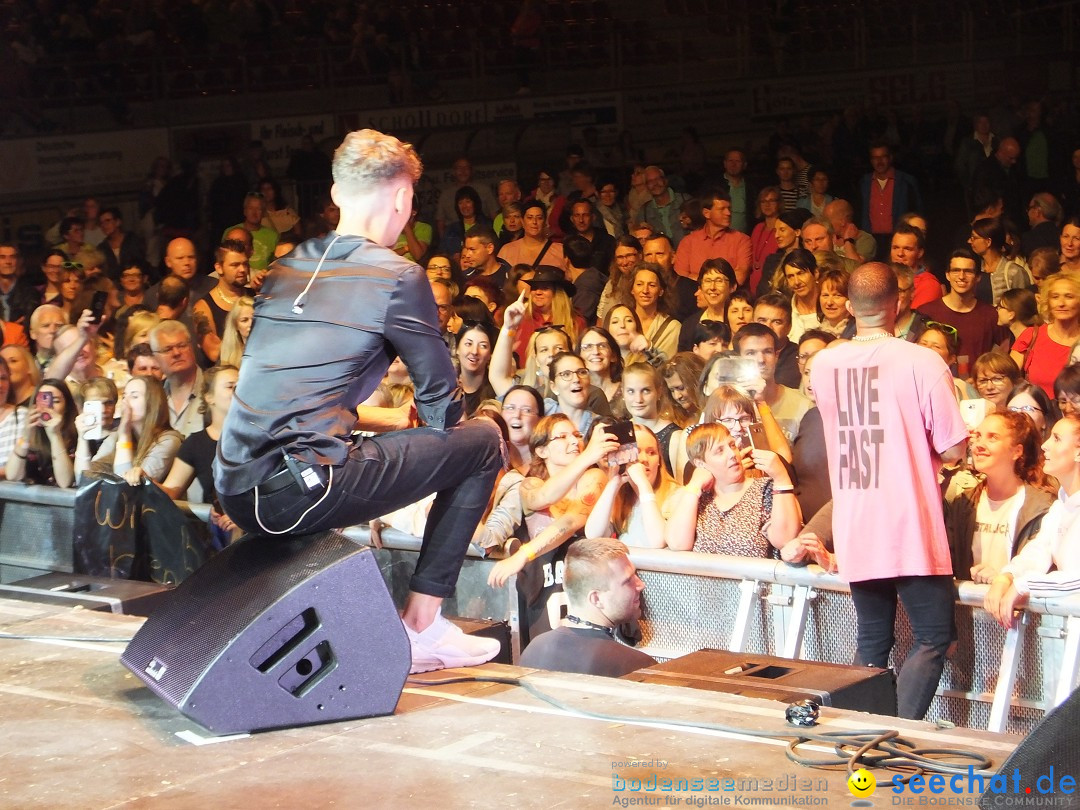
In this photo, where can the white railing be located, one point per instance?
(1000, 680)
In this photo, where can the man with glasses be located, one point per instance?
(120, 248)
(175, 354)
(977, 330)
(717, 240)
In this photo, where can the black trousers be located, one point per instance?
(385, 473)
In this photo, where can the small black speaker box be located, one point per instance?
(276, 632)
(89, 592)
(861, 689)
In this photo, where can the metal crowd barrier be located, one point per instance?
(995, 679)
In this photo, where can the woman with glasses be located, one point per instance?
(570, 389)
(991, 516)
(995, 376)
(562, 485)
(763, 237)
(442, 266)
(52, 267)
(1033, 401)
(1017, 310)
(1043, 351)
(602, 357)
(627, 257)
(535, 247)
(522, 408)
(721, 510)
(810, 343)
(1066, 390)
(715, 283)
(632, 506)
(732, 408)
(132, 287)
(987, 240)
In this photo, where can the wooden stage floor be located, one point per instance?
(79, 731)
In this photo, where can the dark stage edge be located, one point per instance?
(79, 731)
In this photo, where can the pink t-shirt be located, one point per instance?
(888, 408)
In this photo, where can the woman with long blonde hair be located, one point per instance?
(237, 328)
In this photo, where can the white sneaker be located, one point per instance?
(444, 645)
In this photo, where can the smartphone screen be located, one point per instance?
(44, 401)
(97, 305)
(94, 409)
(623, 430)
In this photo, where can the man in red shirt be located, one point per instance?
(715, 241)
(908, 248)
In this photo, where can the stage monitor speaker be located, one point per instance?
(1049, 752)
(89, 592)
(276, 632)
(861, 689)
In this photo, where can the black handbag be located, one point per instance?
(134, 532)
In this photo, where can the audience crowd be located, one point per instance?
(646, 341)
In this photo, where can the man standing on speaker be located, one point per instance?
(603, 591)
(891, 408)
(330, 318)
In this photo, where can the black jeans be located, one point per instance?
(929, 603)
(388, 472)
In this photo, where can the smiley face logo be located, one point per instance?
(862, 783)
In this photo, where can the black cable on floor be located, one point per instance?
(870, 748)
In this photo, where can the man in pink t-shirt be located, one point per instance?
(890, 407)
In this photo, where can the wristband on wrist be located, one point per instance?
(647, 499)
(530, 552)
(124, 445)
(782, 490)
